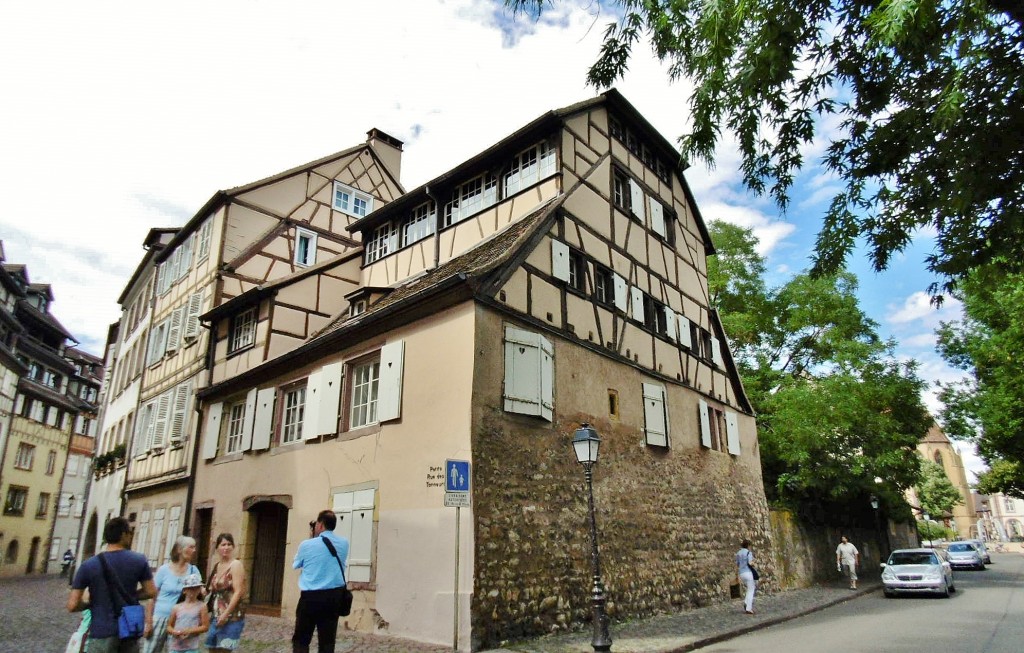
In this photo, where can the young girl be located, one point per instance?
(189, 618)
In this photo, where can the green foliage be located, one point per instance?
(935, 491)
(988, 409)
(927, 99)
(835, 408)
(931, 530)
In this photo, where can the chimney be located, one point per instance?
(388, 148)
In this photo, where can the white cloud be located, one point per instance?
(918, 308)
(769, 233)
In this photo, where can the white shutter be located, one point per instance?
(195, 307)
(173, 528)
(705, 424)
(311, 412)
(529, 373)
(211, 433)
(186, 255)
(655, 417)
(248, 420)
(329, 400)
(179, 419)
(389, 388)
(620, 292)
(733, 430)
(636, 196)
(684, 332)
(157, 533)
(264, 420)
(559, 260)
(174, 333)
(355, 522)
(162, 420)
(636, 300)
(140, 438)
(716, 353)
(657, 218)
(670, 322)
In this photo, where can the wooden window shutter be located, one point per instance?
(195, 307)
(263, 424)
(670, 322)
(636, 300)
(716, 352)
(161, 421)
(705, 424)
(360, 553)
(732, 430)
(619, 284)
(329, 400)
(174, 332)
(636, 199)
(559, 260)
(684, 332)
(529, 373)
(657, 218)
(248, 420)
(179, 419)
(389, 392)
(311, 415)
(211, 434)
(655, 415)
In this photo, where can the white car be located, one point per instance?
(965, 554)
(916, 571)
(980, 545)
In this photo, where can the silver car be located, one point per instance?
(917, 570)
(980, 544)
(965, 554)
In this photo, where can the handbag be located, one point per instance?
(131, 618)
(345, 602)
(753, 572)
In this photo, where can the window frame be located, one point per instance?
(372, 362)
(310, 239)
(604, 285)
(234, 427)
(577, 271)
(15, 500)
(25, 456)
(242, 332)
(43, 505)
(283, 425)
(346, 199)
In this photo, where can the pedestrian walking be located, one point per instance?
(747, 574)
(847, 560)
(69, 557)
(321, 581)
(169, 581)
(226, 587)
(124, 567)
(188, 619)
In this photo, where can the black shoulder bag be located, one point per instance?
(345, 603)
(131, 617)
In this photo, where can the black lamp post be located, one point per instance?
(586, 444)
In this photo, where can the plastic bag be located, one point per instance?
(79, 638)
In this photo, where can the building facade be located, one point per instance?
(936, 447)
(557, 278)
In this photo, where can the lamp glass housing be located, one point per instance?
(586, 444)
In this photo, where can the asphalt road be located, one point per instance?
(985, 615)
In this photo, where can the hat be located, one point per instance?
(192, 580)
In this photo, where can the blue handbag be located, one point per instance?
(131, 619)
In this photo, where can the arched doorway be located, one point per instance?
(270, 525)
(33, 553)
(89, 546)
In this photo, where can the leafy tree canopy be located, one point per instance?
(935, 491)
(835, 408)
(988, 408)
(928, 98)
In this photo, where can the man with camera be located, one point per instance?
(321, 560)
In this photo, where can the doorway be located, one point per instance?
(271, 529)
(201, 533)
(33, 553)
(89, 546)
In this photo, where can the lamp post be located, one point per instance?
(586, 444)
(878, 526)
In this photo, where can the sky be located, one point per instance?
(117, 117)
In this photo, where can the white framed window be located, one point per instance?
(471, 197)
(235, 427)
(381, 243)
(419, 224)
(655, 415)
(355, 512)
(292, 414)
(351, 201)
(364, 382)
(305, 247)
(25, 456)
(243, 330)
(529, 373)
(530, 166)
(54, 548)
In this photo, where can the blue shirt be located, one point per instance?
(320, 570)
(743, 559)
(168, 589)
(129, 567)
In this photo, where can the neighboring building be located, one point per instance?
(241, 239)
(936, 447)
(1000, 517)
(126, 361)
(41, 429)
(556, 278)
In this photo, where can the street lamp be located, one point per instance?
(586, 444)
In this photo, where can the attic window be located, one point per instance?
(351, 201)
(305, 247)
(641, 148)
(469, 198)
(530, 166)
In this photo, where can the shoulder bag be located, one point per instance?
(131, 618)
(753, 571)
(345, 602)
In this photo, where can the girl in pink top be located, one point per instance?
(189, 618)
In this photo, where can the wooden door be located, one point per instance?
(268, 554)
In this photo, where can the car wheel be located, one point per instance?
(945, 591)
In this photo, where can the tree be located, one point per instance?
(988, 408)
(835, 408)
(935, 492)
(928, 98)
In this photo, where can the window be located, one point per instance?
(530, 166)
(620, 190)
(305, 247)
(381, 243)
(529, 373)
(655, 415)
(613, 403)
(643, 150)
(52, 379)
(243, 330)
(351, 201)
(603, 285)
(54, 548)
(473, 196)
(204, 239)
(718, 430)
(577, 271)
(365, 378)
(51, 462)
(236, 422)
(43, 505)
(64, 504)
(25, 456)
(355, 512)
(419, 224)
(15, 503)
(292, 415)
(72, 469)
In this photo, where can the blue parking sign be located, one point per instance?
(456, 474)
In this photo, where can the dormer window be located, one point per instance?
(419, 225)
(357, 307)
(530, 166)
(471, 197)
(305, 247)
(243, 330)
(381, 243)
(351, 201)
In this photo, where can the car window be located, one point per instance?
(961, 546)
(913, 558)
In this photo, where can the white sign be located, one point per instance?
(456, 500)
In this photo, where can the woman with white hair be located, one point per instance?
(169, 580)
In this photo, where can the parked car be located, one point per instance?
(917, 570)
(985, 555)
(965, 554)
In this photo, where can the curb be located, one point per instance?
(738, 632)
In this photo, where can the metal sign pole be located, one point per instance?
(458, 522)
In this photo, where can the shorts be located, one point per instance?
(227, 637)
(112, 645)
